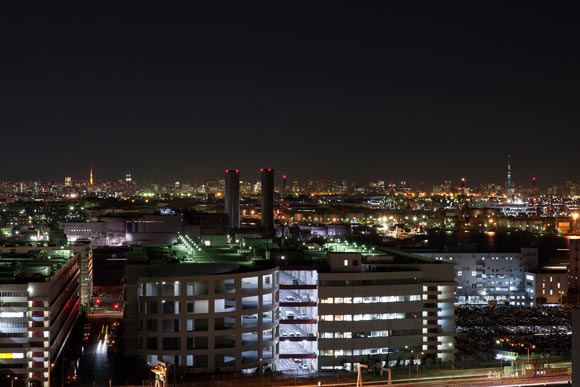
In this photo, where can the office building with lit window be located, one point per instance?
(41, 290)
(395, 307)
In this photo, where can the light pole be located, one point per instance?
(410, 363)
(417, 362)
(500, 356)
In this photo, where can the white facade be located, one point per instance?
(116, 231)
(107, 233)
(485, 277)
(39, 306)
(380, 307)
(208, 317)
(202, 317)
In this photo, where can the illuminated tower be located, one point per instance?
(510, 188)
(91, 177)
(267, 198)
(232, 199)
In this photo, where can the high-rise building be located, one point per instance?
(267, 197)
(232, 199)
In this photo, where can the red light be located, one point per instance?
(237, 171)
(534, 178)
(284, 177)
(116, 306)
(98, 301)
(261, 169)
(227, 171)
(269, 169)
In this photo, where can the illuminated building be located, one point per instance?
(202, 313)
(389, 306)
(490, 277)
(41, 292)
(202, 317)
(551, 287)
(126, 228)
(232, 199)
(267, 179)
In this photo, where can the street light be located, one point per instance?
(501, 354)
(12, 379)
(528, 348)
(417, 362)
(410, 363)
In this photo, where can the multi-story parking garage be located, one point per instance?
(202, 317)
(42, 289)
(238, 315)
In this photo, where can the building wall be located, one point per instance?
(202, 323)
(37, 318)
(84, 230)
(573, 274)
(84, 250)
(154, 229)
(232, 197)
(551, 288)
(483, 277)
(386, 309)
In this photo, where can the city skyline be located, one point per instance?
(281, 180)
(421, 93)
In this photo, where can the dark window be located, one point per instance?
(151, 343)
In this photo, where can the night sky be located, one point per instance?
(423, 92)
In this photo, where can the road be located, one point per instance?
(96, 368)
(562, 380)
